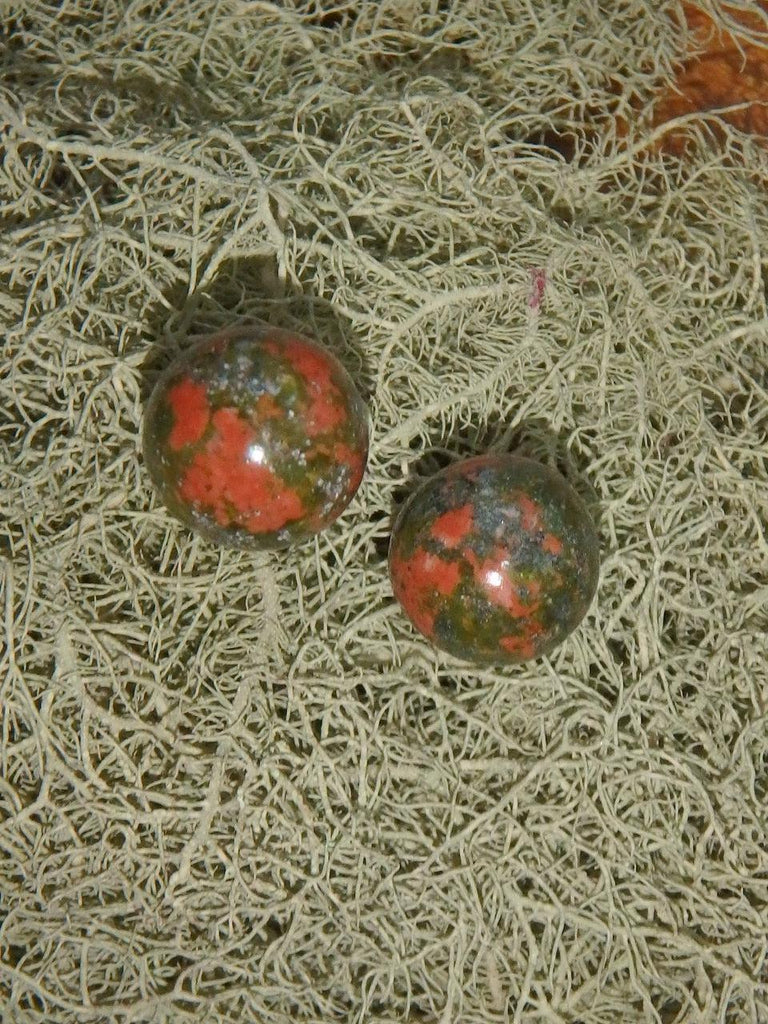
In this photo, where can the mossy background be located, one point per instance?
(240, 787)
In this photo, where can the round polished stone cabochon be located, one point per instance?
(256, 437)
(495, 559)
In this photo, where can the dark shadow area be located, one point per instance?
(533, 439)
(244, 291)
(558, 144)
(321, 15)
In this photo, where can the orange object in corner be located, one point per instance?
(732, 69)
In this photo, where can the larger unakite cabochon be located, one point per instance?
(256, 438)
(495, 559)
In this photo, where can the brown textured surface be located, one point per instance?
(731, 70)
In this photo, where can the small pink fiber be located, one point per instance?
(538, 284)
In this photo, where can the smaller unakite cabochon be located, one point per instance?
(256, 438)
(495, 559)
